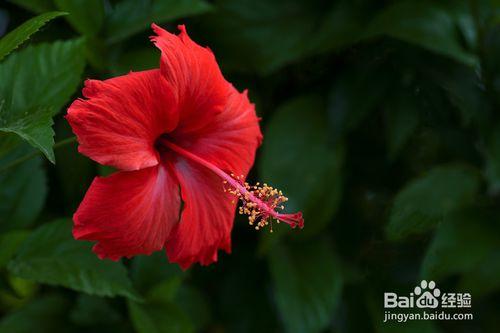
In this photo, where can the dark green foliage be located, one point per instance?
(37, 6)
(447, 254)
(85, 16)
(10, 243)
(50, 255)
(159, 318)
(23, 191)
(131, 16)
(93, 310)
(402, 118)
(280, 32)
(16, 37)
(55, 67)
(380, 122)
(427, 200)
(307, 280)
(75, 172)
(424, 23)
(313, 184)
(36, 83)
(45, 315)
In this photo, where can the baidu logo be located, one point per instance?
(425, 299)
(427, 295)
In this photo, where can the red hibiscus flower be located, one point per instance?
(178, 135)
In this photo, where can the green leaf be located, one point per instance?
(16, 37)
(346, 110)
(483, 278)
(246, 276)
(466, 244)
(307, 284)
(57, 68)
(7, 142)
(37, 6)
(149, 271)
(43, 315)
(93, 310)
(492, 158)
(262, 28)
(9, 243)
(137, 60)
(50, 255)
(75, 171)
(165, 291)
(423, 23)
(465, 91)
(194, 305)
(297, 159)
(170, 306)
(159, 318)
(131, 16)
(86, 16)
(23, 190)
(461, 244)
(402, 119)
(425, 201)
(34, 126)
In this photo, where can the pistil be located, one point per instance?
(259, 202)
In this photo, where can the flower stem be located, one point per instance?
(35, 153)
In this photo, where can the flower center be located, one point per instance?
(259, 202)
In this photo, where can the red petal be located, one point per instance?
(119, 122)
(194, 75)
(206, 220)
(130, 212)
(216, 122)
(230, 139)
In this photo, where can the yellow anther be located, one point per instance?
(257, 201)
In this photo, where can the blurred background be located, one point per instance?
(380, 123)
